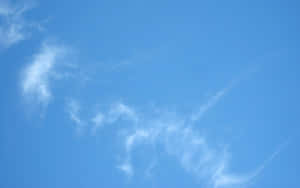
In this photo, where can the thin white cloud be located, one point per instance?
(116, 112)
(225, 180)
(137, 136)
(213, 100)
(36, 76)
(73, 110)
(98, 120)
(174, 134)
(209, 163)
(179, 139)
(209, 104)
(262, 167)
(14, 28)
(229, 181)
(127, 169)
(120, 110)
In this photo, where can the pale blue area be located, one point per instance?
(179, 53)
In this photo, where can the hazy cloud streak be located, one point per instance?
(14, 28)
(36, 76)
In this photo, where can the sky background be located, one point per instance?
(149, 94)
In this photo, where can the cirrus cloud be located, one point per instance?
(36, 76)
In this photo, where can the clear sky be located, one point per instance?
(158, 93)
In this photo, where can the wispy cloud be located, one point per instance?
(73, 110)
(230, 181)
(98, 121)
(127, 169)
(173, 132)
(177, 136)
(37, 75)
(120, 110)
(187, 145)
(180, 139)
(136, 137)
(139, 136)
(14, 28)
(212, 101)
(262, 167)
(246, 180)
(116, 112)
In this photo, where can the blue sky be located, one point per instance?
(149, 94)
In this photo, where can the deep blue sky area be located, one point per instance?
(149, 94)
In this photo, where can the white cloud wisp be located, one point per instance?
(188, 146)
(36, 76)
(14, 27)
(116, 112)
